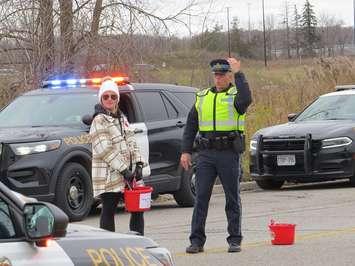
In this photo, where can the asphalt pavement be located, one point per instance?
(323, 213)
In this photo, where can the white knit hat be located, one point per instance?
(108, 85)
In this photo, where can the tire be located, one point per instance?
(185, 196)
(74, 191)
(155, 196)
(270, 184)
(352, 181)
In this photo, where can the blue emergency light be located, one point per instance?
(63, 83)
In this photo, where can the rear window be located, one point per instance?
(187, 98)
(153, 106)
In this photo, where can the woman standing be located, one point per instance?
(116, 159)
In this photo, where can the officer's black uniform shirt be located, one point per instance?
(241, 103)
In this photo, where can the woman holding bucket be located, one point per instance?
(116, 160)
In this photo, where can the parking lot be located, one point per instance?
(323, 214)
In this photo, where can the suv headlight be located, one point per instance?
(162, 254)
(35, 147)
(253, 144)
(336, 142)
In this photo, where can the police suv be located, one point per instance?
(29, 232)
(45, 147)
(315, 145)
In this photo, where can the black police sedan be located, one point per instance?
(36, 233)
(315, 145)
(45, 147)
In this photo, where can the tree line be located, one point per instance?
(299, 34)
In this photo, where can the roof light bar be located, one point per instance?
(57, 83)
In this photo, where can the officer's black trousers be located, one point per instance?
(210, 164)
(107, 220)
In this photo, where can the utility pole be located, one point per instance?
(354, 24)
(249, 27)
(265, 59)
(229, 36)
(288, 31)
(190, 33)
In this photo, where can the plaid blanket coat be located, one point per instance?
(114, 148)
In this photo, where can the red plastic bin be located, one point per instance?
(283, 234)
(138, 199)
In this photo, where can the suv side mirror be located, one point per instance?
(291, 116)
(44, 221)
(87, 119)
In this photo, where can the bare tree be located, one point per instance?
(45, 46)
(66, 34)
(329, 28)
(53, 36)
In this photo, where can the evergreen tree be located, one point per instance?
(309, 25)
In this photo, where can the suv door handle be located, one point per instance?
(138, 130)
(180, 124)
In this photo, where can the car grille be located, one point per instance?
(289, 145)
(271, 148)
(283, 145)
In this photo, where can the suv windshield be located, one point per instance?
(334, 107)
(48, 110)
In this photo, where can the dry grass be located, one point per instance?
(283, 87)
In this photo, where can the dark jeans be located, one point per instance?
(107, 220)
(225, 164)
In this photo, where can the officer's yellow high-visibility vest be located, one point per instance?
(216, 111)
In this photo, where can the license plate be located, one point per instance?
(286, 160)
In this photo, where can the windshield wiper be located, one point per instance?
(337, 118)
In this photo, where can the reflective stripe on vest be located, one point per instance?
(227, 117)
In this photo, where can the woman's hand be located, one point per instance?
(138, 172)
(128, 175)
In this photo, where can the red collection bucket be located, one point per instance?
(283, 234)
(138, 199)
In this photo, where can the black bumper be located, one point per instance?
(30, 175)
(312, 164)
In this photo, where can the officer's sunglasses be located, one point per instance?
(105, 97)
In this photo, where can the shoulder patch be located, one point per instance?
(232, 91)
(202, 93)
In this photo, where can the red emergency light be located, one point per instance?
(97, 81)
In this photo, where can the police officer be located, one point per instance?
(218, 116)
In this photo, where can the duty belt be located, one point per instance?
(223, 142)
(232, 141)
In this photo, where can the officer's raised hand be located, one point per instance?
(235, 64)
(185, 161)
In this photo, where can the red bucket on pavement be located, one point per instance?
(283, 234)
(138, 199)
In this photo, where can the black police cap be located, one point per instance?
(220, 66)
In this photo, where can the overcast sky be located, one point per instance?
(340, 9)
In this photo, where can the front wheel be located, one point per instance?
(74, 191)
(352, 181)
(269, 184)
